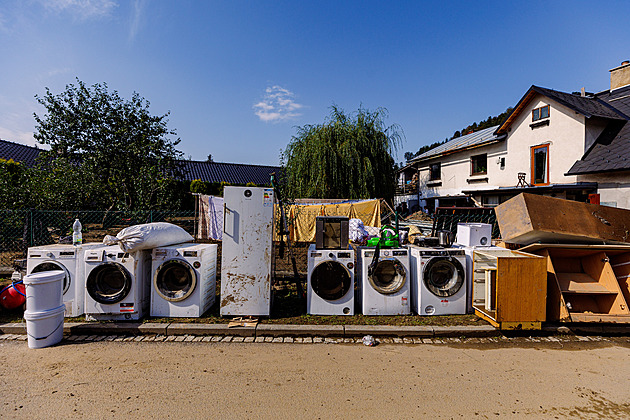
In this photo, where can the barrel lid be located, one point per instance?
(44, 277)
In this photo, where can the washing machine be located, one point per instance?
(438, 284)
(330, 281)
(384, 289)
(117, 283)
(69, 259)
(184, 280)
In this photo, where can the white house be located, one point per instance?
(567, 145)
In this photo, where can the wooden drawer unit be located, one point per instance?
(509, 288)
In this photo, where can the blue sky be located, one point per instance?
(239, 76)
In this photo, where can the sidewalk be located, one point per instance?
(289, 330)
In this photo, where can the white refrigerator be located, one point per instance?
(247, 251)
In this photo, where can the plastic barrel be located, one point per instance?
(44, 290)
(44, 328)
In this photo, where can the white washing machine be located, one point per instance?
(184, 280)
(69, 259)
(384, 288)
(438, 281)
(117, 284)
(330, 281)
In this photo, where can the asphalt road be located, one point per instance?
(483, 379)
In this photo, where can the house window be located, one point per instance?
(435, 172)
(540, 165)
(540, 113)
(479, 164)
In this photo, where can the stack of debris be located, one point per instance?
(587, 249)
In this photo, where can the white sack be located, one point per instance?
(148, 236)
(357, 230)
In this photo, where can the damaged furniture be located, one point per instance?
(586, 283)
(509, 288)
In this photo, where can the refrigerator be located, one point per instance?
(246, 259)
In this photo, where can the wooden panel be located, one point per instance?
(621, 267)
(556, 306)
(529, 218)
(599, 265)
(521, 289)
(620, 319)
(581, 283)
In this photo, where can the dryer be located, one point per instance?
(384, 290)
(117, 283)
(184, 280)
(69, 259)
(330, 281)
(439, 281)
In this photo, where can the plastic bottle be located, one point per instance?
(77, 237)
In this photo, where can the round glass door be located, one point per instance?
(331, 280)
(444, 277)
(389, 276)
(108, 283)
(175, 280)
(54, 266)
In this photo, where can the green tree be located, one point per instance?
(13, 177)
(348, 156)
(124, 153)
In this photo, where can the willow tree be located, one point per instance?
(348, 156)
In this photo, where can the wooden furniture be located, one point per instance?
(530, 218)
(586, 283)
(509, 288)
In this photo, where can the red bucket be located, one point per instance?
(12, 296)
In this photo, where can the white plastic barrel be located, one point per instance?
(44, 328)
(44, 290)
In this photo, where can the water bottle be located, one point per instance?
(77, 237)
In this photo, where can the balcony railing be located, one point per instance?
(407, 189)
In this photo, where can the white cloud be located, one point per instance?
(277, 105)
(82, 9)
(136, 20)
(18, 136)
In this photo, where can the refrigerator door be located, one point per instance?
(247, 250)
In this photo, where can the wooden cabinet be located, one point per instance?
(509, 288)
(583, 284)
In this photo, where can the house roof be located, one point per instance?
(19, 152)
(469, 141)
(611, 150)
(586, 105)
(234, 173)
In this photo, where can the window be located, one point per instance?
(479, 164)
(540, 165)
(540, 113)
(435, 172)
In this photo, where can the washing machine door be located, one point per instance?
(331, 280)
(443, 276)
(53, 266)
(175, 280)
(388, 276)
(108, 283)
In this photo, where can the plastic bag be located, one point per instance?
(357, 231)
(148, 236)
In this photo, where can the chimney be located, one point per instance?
(620, 76)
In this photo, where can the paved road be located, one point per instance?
(566, 377)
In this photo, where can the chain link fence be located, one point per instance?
(447, 218)
(22, 229)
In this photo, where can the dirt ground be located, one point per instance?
(246, 380)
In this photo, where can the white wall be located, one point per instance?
(565, 135)
(613, 188)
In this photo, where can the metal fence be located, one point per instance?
(21, 229)
(447, 218)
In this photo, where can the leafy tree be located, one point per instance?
(123, 151)
(348, 156)
(13, 176)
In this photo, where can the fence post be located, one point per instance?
(150, 216)
(30, 226)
